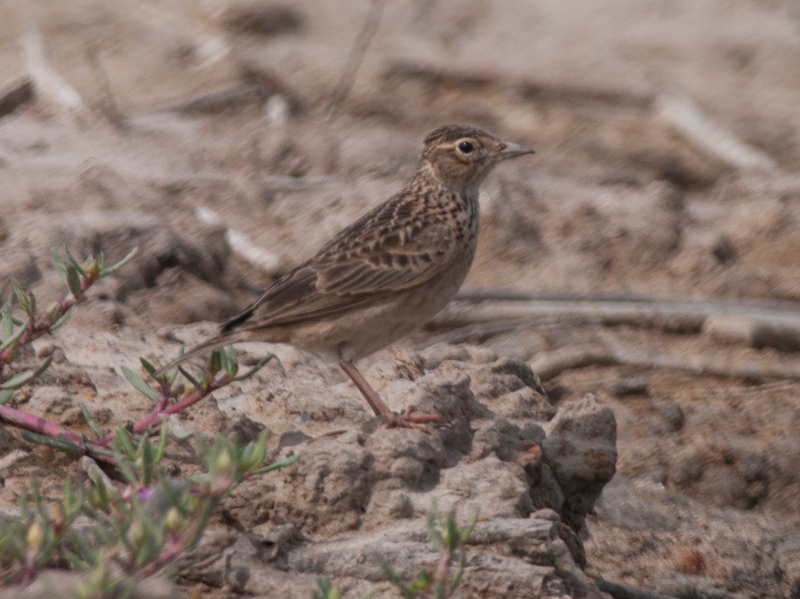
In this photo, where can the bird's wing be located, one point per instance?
(385, 251)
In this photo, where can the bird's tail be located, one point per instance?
(205, 348)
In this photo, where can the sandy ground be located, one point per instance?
(667, 138)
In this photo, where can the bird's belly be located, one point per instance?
(368, 328)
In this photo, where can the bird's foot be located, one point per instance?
(409, 419)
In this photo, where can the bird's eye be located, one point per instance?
(466, 147)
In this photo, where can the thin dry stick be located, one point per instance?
(95, 472)
(480, 294)
(550, 365)
(48, 82)
(356, 57)
(110, 107)
(697, 366)
(623, 591)
(635, 312)
(683, 116)
(241, 245)
(11, 458)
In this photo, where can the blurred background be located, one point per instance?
(229, 139)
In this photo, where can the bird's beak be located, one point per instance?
(511, 150)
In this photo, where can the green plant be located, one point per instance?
(136, 526)
(15, 333)
(449, 539)
(132, 529)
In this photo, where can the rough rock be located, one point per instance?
(56, 583)
(505, 454)
(580, 449)
(754, 332)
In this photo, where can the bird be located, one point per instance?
(387, 273)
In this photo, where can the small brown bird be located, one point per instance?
(387, 273)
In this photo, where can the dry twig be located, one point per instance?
(356, 57)
(671, 315)
(241, 245)
(549, 365)
(694, 364)
(110, 106)
(623, 591)
(48, 82)
(685, 117)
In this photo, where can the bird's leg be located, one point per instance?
(406, 420)
(373, 399)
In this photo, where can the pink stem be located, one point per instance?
(443, 569)
(172, 549)
(39, 425)
(35, 331)
(164, 398)
(36, 424)
(162, 413)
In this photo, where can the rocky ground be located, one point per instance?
(643, 265)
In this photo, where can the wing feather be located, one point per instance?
(388, 250)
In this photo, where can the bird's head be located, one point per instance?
(461, 156)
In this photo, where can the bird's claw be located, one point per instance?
(414, 421)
